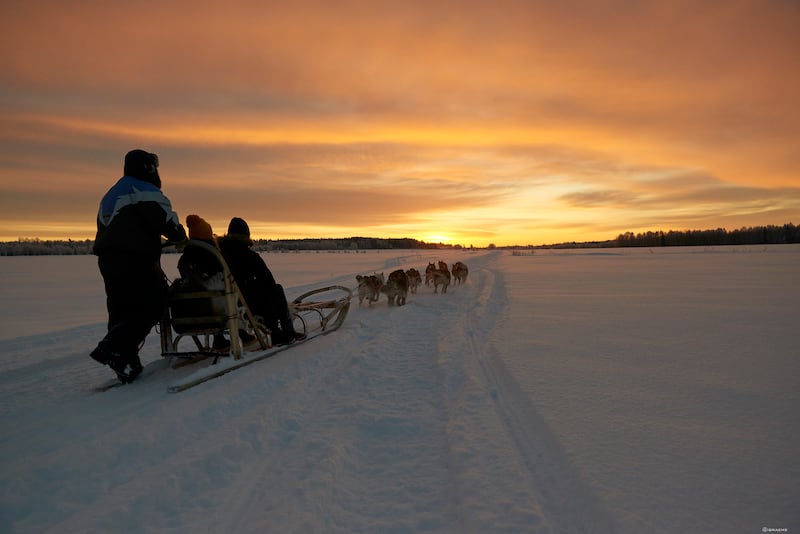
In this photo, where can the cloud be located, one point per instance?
(592, 199)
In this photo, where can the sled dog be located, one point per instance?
(440, 277)
(429, 273)
(460, 272)
(369, 288)
(414, 279)
(396, 287)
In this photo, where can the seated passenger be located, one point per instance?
(263, 295)
(196, 262)
(201, 270)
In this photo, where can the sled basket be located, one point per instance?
(196, 309)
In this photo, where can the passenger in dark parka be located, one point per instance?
(133, 216)
(262, 294)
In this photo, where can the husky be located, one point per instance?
(429, 273)
(414, 280)
(369, 288)
(440, 277)
(460, 272)
(396, 287)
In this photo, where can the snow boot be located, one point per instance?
(245, 336)
(127, 368)
(220, 344)
(286, 337)
(101, 354)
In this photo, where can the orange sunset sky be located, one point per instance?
(466, 122)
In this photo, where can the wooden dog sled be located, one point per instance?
(200, 313)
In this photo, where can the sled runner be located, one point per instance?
(201, 313)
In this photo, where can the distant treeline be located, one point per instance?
(345, 244)
(39, 247)
(757, 235)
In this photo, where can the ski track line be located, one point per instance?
(566, 503)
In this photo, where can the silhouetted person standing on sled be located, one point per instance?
(133, 216)
(262, 294)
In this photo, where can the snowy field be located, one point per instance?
(618, 390)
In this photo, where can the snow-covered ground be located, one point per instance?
(560, 391)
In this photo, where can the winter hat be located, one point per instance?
(142, 165)
(199, 228)
(238, 229)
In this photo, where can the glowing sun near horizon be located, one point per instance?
(438, 239)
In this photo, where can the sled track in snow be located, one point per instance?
(564, 500)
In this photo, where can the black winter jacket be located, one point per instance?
(133, 216)
(252, 275)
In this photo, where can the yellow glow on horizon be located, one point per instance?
(438, 239)
(58, 231)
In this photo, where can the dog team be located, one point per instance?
(399, 283)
